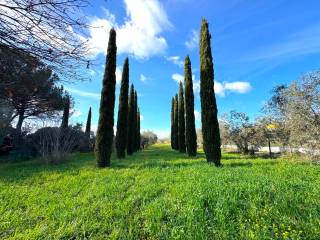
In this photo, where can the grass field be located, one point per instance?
(160, 194)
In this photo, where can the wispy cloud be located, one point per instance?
(177, 77)
(197, 115)
(144, 78)
(141, 33)
(82, 93)
(193, 40)
(175, 60)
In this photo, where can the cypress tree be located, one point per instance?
(209, 111)
(87, 132)
(122, 134)
(172, 125)
(66, 112)
(104, 139)
(135, 122)
(176, 123)
(181, 117)
(138, 130)
(191, 136)
(131, 115)
(88, 125)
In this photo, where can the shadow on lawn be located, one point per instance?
(155, 157)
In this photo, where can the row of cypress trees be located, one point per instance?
(183, 133)
(128, 124)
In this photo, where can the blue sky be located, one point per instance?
(256, 45)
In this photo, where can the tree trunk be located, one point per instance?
(20, 120)
(269, 145)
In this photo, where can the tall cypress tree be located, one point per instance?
(88, 125)
(181, 117)
(209, 111)
(86, 146)
(131, 115)
(135, 123)
(104, 139)
(176, 123)
(66, 112)
(172, 125)
(138, 130)
(191, 136)
(122, 134)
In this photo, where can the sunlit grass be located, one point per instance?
(160, 194)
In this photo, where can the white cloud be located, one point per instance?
(238, 87)
(175, 60)
(141, 117)
(197, 115)
(83, 93)
(193, 40)
(118, 75)
(177, 77)
(143, 78)
(140, 34)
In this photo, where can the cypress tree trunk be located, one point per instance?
(191, 136)
(172, 125)
(138, 130)
(65, 116)
(176, 123)
(130, 122)
(209, 111)
(104, 139)
(181, 117)
(122, 134)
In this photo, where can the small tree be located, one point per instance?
(104, 139)
(191, 136)
(209, 111)
(122, 134)
(181, 116)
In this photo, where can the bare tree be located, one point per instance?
(50, 30)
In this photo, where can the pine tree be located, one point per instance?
(138, 130)
(130, 147)
(209, 111)
(122, 134)
(135, 123)
(181, 117)
(191, 136)
(176, 123)
(86, 146)
(172, 125)
(104, 139)
(66, 112)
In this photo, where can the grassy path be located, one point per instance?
(160, 194)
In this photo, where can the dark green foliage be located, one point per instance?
(135, 122)
(122, 134)
(176, 123)
(191, 136)
(138, 130)
(66, 111)
(104, 139)
(172, 125)
(209, 111)
(181, 120)
(131, 116)
(88, 125)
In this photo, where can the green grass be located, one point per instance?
(160, 194)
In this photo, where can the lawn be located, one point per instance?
(160, 194)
